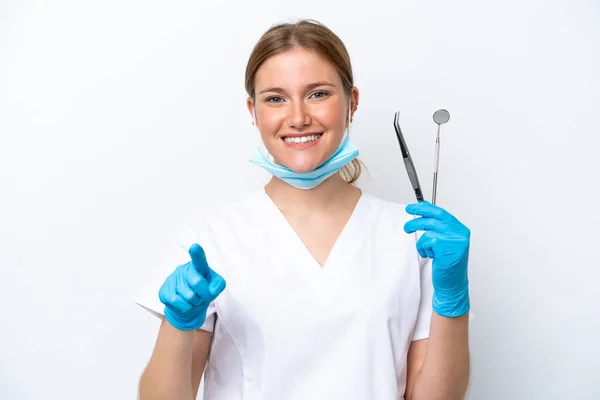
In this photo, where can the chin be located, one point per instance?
(302, 166)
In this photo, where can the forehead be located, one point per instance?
(294, 68)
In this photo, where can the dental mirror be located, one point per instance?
(439, 117)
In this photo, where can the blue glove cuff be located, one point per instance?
(190, 323)
(452, 306)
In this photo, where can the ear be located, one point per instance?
(250, 106)
(354, 96)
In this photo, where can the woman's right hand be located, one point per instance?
(189, 290)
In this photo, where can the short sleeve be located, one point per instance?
(423, 323)
(177, 255)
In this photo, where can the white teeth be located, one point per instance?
(302, 139)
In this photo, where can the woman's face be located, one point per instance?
(301, 108)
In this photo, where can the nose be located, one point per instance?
(299, 116)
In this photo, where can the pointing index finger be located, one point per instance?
(199, 260)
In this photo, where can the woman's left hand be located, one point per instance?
(446, 240)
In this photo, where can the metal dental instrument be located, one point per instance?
(439, 117)
(408, 163)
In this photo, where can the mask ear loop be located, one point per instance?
(347, 133)
(349, 114)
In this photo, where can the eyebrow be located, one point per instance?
(310, 86)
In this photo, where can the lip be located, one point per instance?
(301, 146)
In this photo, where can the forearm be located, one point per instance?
(445, 371)
(169, 372)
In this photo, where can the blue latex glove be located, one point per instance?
(446, 241)
(189, 290)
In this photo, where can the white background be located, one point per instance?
(118, 118)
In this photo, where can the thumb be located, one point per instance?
(216, 283)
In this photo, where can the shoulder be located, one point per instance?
(387, 207)
(241, 209)
(202, 220)
(388, 216)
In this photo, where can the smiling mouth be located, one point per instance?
(302, 139)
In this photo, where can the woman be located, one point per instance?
(309, 288)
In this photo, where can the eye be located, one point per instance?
(274, 99)
(319, 94)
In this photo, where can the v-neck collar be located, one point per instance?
(344, 249)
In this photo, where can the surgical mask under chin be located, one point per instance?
(346, 152)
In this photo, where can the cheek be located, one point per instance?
(332, 117)
(270, 122)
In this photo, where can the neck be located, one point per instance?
(330, 194)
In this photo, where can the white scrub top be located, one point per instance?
(286, 328)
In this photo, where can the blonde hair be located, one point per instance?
(311, 35)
